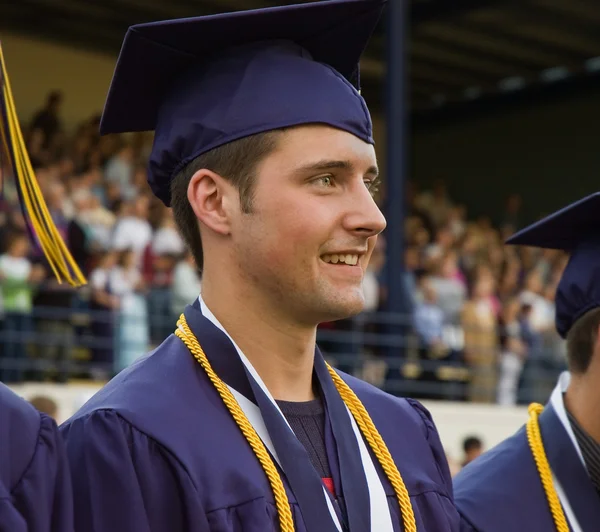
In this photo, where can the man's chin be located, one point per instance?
(343, 311)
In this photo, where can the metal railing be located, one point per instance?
(81, 342)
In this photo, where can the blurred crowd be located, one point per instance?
(481, 302)
(476, 305)
(123, 239)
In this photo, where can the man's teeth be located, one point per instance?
(350, 260)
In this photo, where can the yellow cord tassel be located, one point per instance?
(59, 258)
(536, 444)
(375, 441)
(359, 412)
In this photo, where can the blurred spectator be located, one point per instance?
(473, 448)
(444, 241)
(79, 234)
(480, 341)
(186, 285)
(542, 315)
(429, 321)
(457, 224)
(45, 404)
(449, 285)
(127, 284)
(39, 155)
(511, 220)
(17, 278)
(546, 350)
(133, 230)
(513, 353)
(120, 172)
(509, 278)
(471, 250)
(104, 304)
(159, 262)
(166, 239)
(47, 119)
(95, 220)
(440, 346)
(54, 304)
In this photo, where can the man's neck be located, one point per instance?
(281, 352)
(582, 399)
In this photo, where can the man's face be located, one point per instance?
(307, 242)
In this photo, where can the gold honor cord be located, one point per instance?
(359, 412)
(55, 250)
(534, 437)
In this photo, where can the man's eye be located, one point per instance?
(325, 180)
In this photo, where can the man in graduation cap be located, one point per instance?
(35, 485)
(547, 476)
(264, 150)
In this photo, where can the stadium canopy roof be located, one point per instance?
(464, 54)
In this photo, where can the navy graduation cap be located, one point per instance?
(205, 81)
(575, 229)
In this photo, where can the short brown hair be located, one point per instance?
(236, 162)
(581, 340)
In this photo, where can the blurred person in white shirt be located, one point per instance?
(100, 222)
(104, 304)
(126, 282)
(120, 170)
(166, 239)
(542, 314)
(186, 284)
(133, 230)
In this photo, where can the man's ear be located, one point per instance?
(212, 198)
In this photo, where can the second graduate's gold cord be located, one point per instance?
(375, 441)
(536, 444)
(357, 409)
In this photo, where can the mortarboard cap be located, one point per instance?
(202, 82)
(574, 229)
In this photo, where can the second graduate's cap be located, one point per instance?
(575, 229)
(205, 81)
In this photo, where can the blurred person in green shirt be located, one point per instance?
(18, 277)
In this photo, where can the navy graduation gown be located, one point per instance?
(156, 450)
(501, 490)
(35, 485)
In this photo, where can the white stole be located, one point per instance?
(381, 519)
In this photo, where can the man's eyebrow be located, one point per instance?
(331, 164)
